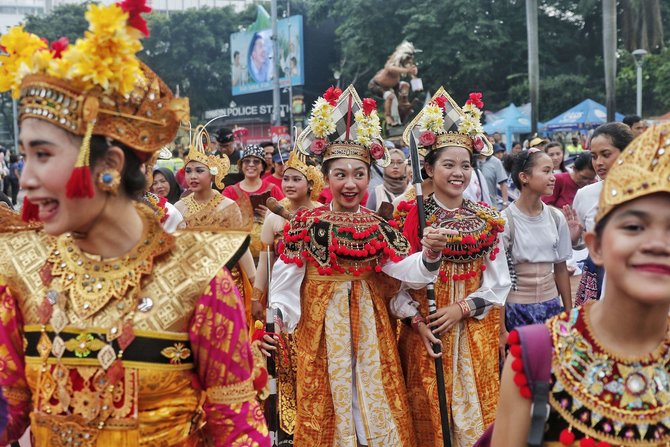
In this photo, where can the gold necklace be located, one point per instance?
(195, 207)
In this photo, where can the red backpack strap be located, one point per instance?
(536, 349)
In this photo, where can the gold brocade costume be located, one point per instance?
(186, 326)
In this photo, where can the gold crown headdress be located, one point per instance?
(443, 123)
(642, 168)
(343, 126)
(311, 173)
(218, 165)
(97, 86)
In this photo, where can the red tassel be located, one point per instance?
(29, 211)
(80, 184)
(261, 380)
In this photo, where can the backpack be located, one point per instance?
(536, 348)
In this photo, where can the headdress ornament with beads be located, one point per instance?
(97, 86)
(343, 126)
(642, 168)
(443, 123)
(311, 173)
(218, 165)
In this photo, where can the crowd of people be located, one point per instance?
(410, 303)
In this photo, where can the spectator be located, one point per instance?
(636, 124)
(225, 143)
(575, 147)
(495, 177)
(568, 183)
(557, 155)
(394, 181)
(165, 185)
(516, 148)
(269, 149)
(498, 151)
(12, 180)
(538, 143)
(278, 160)
(497, 139)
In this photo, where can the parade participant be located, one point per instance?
(610, 359)
(557, 155)
(331, 292)
(537, 240)
(257, 190)
(473, 281)
(395, 181)
(568, 183)
(169, 217)
(206, 208)
(301, 185)
(114, 333)
(165, 185)
(607, 142)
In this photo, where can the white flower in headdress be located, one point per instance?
(214, 170)
(321, 121)
(432, 119)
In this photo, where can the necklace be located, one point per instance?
(195, 207)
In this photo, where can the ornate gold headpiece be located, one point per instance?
(443, 123)
(218, 165)
(97, 86)
(311, 173)
(343, 126)
(642, 168)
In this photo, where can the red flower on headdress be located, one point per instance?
(369, 105)
(58, 46)
(377, 151)
(478, 144)
(318, 146)
(332, 95)
(135, 9)
(427, 138)
(476, 100)
(441, 102)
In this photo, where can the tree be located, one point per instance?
(642, 26)
(64, 20)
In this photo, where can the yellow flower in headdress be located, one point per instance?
(432, 119)
(20, 47)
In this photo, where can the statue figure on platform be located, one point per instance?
(387, 80)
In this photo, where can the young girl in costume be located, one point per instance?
(610, 359)
(340, 266)
(607, 143)
(537, 241)
(473, 282)
(114, 333)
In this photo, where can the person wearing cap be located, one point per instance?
(225, 144)
(255, 189)
(574, 148)
(114, 332)
(332, 284)
(471, 286)
(277, 174)
(498, 151)
(538, 143)
(610, 358)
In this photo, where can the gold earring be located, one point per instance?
(109, 181)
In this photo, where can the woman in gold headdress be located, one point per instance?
(112, 332)
(206, 208)
(332, 285)
(472, 284)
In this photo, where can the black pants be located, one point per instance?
(12, 188)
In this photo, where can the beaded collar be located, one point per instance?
(339, 242)
(619, 401)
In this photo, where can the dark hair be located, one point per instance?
(557, 144)
(175, 190)
(619, 134)
(224, 135)
(507, 161)
(133, 182)
(600, 225)
(13, 158)
(583, 161)
(524, 161)
(264, 144)
(236, 53)
(630, 120)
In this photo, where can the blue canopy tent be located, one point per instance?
(508, 121)
(586, 115)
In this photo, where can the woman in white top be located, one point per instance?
(607, 143)
(394, 182)
(537, 240)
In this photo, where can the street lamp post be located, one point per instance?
(639, 55)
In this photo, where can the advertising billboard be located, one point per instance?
(251, 53)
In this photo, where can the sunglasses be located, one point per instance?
(251, 161)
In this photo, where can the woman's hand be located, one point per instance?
(429, 340)
(269, 344)
(445, 317)
(575, 227)
(261, 210)
(257, 311)
(435, 240)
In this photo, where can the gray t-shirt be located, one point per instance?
(494, 173)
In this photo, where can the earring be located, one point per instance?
(109, 181)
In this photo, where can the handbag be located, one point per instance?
(536, 348)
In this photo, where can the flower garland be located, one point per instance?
(432, 121)
(471, 123)
(105, 57)
(369, 129)
(321, 120)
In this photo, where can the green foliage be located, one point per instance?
(655, 83)
(65, 20)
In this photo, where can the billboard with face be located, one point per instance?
(251, 53)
